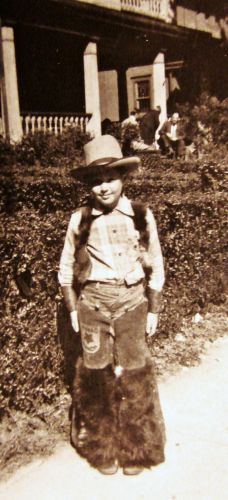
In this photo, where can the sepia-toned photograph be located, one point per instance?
(113, 249)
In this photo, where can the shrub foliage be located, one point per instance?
(207, 121)
(37, 197)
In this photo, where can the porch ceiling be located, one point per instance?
(124, 39)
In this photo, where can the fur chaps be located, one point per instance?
(94, 407)
(141, 429)
(121, 416)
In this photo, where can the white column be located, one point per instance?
(10, 99)
(92, 98)
(159, 86)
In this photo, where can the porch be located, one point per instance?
(93, 60)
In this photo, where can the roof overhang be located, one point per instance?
(84, 19)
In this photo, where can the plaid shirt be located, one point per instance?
(113, 246)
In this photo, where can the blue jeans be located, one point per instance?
(112, 320)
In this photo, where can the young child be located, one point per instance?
(111, 274)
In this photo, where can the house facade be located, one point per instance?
(95, 60)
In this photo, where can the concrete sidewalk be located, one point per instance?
(195, 407)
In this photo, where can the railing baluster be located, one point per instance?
(39, 121)
(56, 125)
(50, 119)
(86, 123)
(33, 121)
(61, 124)
(27, 121)
(45, 123)
(82, 124)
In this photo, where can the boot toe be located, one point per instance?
(132, 470)
(109, 469)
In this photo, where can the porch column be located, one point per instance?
(10, 100)
(92, 98)
(159, 86)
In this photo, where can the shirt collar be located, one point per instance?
(123, 206)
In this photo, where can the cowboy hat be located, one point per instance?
(104, 152)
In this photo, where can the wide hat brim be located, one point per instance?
(128, 164)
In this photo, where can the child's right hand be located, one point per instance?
(74, 320)
(152, 321)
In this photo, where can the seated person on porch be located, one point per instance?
(172, 137)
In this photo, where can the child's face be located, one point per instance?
(107, 188)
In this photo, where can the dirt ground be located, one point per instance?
(195, 407)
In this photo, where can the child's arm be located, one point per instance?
(66, 269)
(156, 278)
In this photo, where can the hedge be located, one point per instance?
(207, 120)
(36, 199)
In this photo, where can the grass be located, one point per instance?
(187, 347)
(26, 437)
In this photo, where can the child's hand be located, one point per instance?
(74, 320)
(152, 321)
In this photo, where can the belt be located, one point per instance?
(117, 282)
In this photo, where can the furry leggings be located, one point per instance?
(122, 417)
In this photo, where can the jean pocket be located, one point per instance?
(90, 335)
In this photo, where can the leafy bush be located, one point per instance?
(191, 215)
(37, 199)
(47, 149)
(207, 121)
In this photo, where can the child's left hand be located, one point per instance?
(152, 321)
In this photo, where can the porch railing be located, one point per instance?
(154, 8)
(52, 122)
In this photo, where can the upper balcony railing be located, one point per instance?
(160, 9)
(153, 8)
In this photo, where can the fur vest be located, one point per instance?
(82, 266)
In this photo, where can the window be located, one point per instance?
(142, 95)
